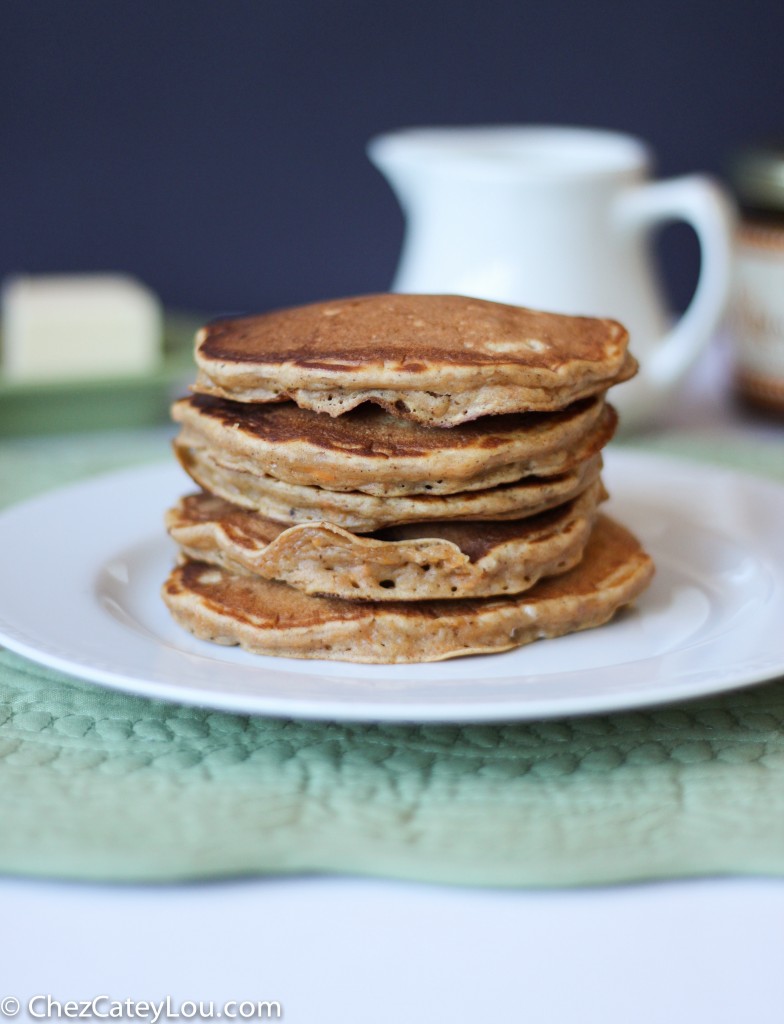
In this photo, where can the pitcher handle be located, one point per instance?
(700, 202)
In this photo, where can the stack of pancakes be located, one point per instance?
(400, 478)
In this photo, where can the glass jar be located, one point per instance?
(757, 304)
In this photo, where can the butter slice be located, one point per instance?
(79, 326)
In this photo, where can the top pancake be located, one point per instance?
(434, 359)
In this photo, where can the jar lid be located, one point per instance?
(758, 176)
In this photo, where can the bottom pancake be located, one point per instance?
(267, 617)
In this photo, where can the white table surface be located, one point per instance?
(355, 950)
(335, 950)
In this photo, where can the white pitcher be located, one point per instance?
(560, 219)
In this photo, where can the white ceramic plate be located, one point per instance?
(82, 569)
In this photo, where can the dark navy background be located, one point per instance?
(216, 149)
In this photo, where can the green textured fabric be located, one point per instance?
(99, 785)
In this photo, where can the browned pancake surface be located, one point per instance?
(371, 432)
(412, 333)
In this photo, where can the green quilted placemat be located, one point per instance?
(99, 785)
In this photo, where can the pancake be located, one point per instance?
(371, 451)
(408, 563)
(267, 617)
(434, 359)
(363, 513)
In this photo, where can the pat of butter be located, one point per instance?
(79, 326)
